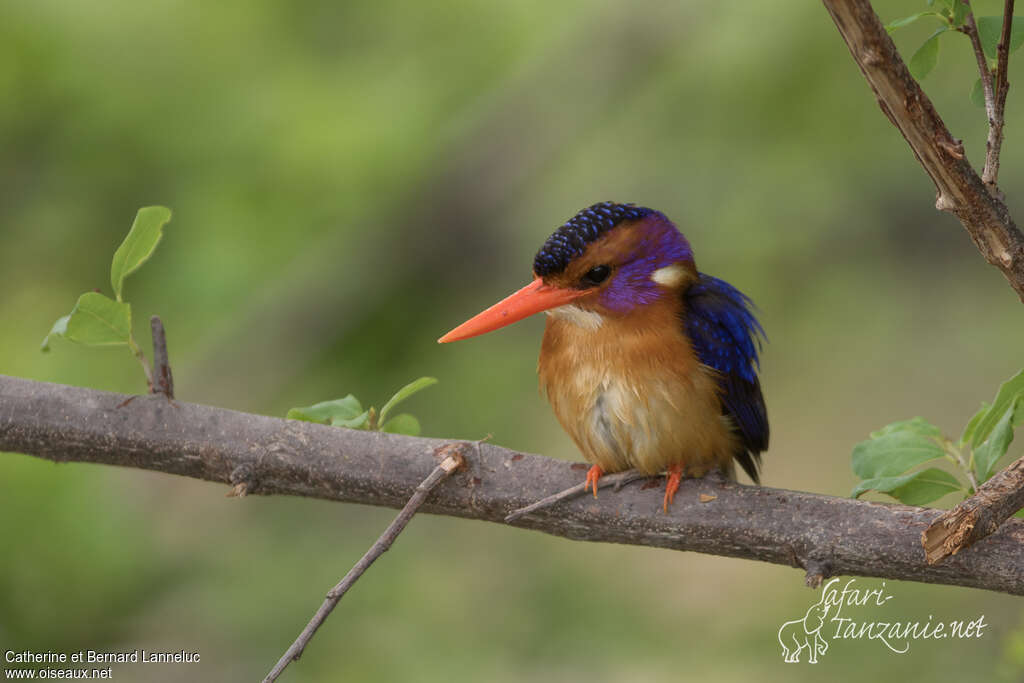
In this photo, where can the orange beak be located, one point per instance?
(533, 298)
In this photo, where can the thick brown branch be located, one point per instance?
(976, 517)
(826, 536)
(960, 190)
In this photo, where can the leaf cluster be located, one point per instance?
(892, 460)
(98, 320)
(349, 412)
(952, 16)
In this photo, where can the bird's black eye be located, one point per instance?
(596, 275)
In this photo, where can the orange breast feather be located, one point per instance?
(631, 393)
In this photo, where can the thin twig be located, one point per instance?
(452, 462)
(970, 28)
(163, 381)
(1003, 50)
(618, 480)
(994, 144)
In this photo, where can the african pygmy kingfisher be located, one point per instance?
(648, 363)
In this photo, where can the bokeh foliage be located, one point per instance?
(349, 180)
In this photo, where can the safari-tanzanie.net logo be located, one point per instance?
(848, 613)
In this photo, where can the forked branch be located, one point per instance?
(1000, 87)
(994, 86)
(960, 190)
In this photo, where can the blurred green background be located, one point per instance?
(349, 181)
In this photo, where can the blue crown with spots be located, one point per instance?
(570, 240)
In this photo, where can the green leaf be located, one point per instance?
(896, 449)
(988, 454)
(989, 30)
(59, 329)
(907, 21)
(978, 94)
(361, 421)
(403, 423)
(138, 246)
(917, 488)
(927, 56)
(972, 424)
(95, 320)
(328, 412)
(915, 425)
(984, 421)
(404, 393)
(959, 13)
(1016, 35)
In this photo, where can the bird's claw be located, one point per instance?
(593, 474)
(675, 475)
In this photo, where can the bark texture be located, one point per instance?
(254, 454)
(978, 516)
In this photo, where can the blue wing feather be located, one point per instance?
(727, 337)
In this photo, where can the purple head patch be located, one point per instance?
(662, 246)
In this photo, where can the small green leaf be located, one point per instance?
(95, 320)
(915, 425)
(138, 246)
(978, 94)
(988, 454)
(897, 448)
(927, 56)
(361, 421)
(59, 329)
(403, 423)
(404, 393)
(917, 488)
(1016, 37)
(328, 412)
(907, 21)
(972, 424)
(959, 13)
(989, 30)
(993, 27)
(984, 421)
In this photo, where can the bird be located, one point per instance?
(648, 363)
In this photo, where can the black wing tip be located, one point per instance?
(751, 463)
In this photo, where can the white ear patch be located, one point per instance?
(669, 276)
(588, 320)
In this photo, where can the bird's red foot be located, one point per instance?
(675, 475)
(593, 474)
